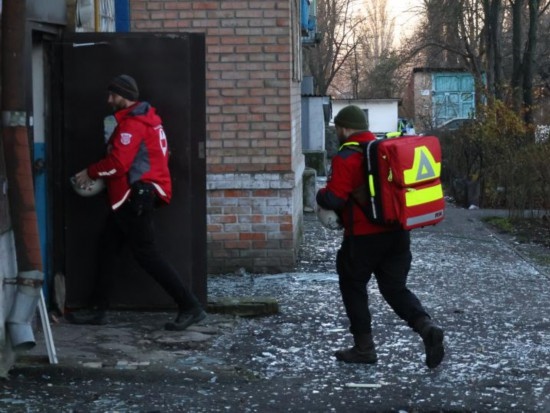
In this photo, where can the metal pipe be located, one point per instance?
(15, 137)
(26, 299)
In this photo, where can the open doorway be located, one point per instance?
(170, 71)
(40, 132)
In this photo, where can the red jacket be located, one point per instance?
(346, 175)
(137, 150)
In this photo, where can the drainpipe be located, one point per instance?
(19, 173)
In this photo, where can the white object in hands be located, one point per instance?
(92, 189)
(328, 218)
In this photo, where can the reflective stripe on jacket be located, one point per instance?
(137, 151)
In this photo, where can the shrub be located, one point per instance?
(496, 162)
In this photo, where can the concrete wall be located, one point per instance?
(313, 123)
(254, 154)
(422, 100)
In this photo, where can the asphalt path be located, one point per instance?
(484, 289)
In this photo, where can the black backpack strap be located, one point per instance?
(362, 149)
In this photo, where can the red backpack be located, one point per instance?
(403, 181)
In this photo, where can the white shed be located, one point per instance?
(382, 114)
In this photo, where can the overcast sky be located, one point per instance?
(404, 11)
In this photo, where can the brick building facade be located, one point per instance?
(253, 150)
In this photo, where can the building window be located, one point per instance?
(107, 16)
(95, 16)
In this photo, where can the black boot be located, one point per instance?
(362, 352)
(91, 317)
(432, 335)
(185, 318)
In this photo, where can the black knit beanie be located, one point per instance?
(125, 86)
(352, 117)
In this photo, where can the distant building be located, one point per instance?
(382, 114)
(435, 96)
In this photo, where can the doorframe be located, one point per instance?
(39, 39)
(194, 176)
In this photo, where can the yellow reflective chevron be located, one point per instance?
(424, 167)
(415, 197)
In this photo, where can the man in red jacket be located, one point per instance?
(369, 249)
(136, 173)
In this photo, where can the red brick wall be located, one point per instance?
(254, 157)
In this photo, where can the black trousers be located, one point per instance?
(125, 227)
(388, 257)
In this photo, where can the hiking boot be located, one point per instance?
(362, 352)
(91, 317)
(432, 336)
(184, 319)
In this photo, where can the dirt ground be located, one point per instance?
(530, 235)
(531, 230)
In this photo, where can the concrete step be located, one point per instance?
(244, 306)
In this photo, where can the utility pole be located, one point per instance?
(15, 137)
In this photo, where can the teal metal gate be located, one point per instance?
(453, 96)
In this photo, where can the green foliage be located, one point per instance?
(502, 224)
(498, 156)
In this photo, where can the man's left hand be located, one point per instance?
(82, 178)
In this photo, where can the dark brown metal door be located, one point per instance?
(169, 69)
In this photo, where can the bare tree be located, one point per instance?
(369, 72)
(378, 30)
(438, 36)
(542, 73)
(337, 21)
(475, 32)
(493, 35)
(517, 41)
(529, 59)
(378, 54)
(525, 15)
